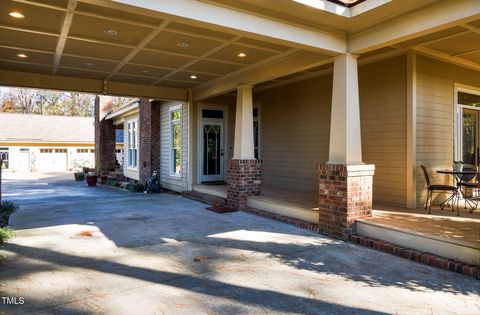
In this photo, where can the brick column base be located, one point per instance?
(345, 193)
(244, 178)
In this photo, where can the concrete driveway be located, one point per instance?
(101, 250)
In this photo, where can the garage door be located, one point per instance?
(52, 160)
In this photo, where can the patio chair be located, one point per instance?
(431, 189)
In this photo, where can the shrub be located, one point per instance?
(6, 233)
(6, 209)
(135, 187)
(112, 182)
(80, 176)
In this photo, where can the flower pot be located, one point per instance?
(458, 166)
(92, 180)
(103, 179)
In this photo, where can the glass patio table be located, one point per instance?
(459, 177)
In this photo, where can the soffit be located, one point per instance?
(146, 49)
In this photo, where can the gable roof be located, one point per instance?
(46, 129)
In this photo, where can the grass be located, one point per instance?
(6, 233)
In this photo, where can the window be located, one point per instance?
(92, 151)
(4, 157)
(61, 151)
(132, 145)
(175, 140)
(46, 150)
(82, 150)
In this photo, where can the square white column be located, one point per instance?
(244, 145)
(345, 135)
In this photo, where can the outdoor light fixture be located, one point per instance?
(242, 55)
(145, 71)
(16, 15)
(193, 77)
(110, 31)
(89, 64)
(182, 45)
(22, 56)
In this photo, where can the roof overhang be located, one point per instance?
(128, 109)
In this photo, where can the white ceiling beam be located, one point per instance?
(290, 63)
(67, 22)
(446, 57)
(441, 15)
(243, 23)
(64, 83)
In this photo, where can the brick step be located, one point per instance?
(418, 256)
(205, 198)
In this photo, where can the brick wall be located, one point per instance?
(104, 134)
(244, 178)
(345, 195)
(149, 143)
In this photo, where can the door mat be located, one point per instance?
(221, 209)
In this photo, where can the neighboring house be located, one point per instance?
(270, 99)
(42, 143)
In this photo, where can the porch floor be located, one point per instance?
(413, 227)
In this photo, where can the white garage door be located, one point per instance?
(52, 160)
(23, 160)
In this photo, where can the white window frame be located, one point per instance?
(132, 163)
(171, 144)
(458, 119)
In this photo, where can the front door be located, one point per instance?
(212, 151)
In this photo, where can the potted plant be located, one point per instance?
(100, 171)
(92, 179)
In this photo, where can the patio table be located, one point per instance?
(459, 177)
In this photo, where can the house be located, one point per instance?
(310, 110)
(43, 143)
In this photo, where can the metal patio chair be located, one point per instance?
(431, 189)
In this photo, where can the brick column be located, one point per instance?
(244, 178)
(345, 193)
(149, 143)
(104, 134)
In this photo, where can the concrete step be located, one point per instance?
(458, 250)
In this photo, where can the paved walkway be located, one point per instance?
(100, 250)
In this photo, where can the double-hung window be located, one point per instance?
(175, 140)
(132, 145)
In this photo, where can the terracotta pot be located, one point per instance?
(92, 180)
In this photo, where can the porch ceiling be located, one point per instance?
(71, 38)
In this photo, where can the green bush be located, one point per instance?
(135, 187)
(79, 176)
(6, 209)
(113, 183)
(6, 233)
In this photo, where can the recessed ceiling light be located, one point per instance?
(110, 31)
(89, 64)
(16, 15)
(193, 76)
(242, 55)
(182, 45)
(22, 56)
(145, 71)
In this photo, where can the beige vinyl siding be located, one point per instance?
(167, 181)
(382, 88)
(295, 128)
(435, 117)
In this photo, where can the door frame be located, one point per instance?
(226, 145)
(458, 118)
